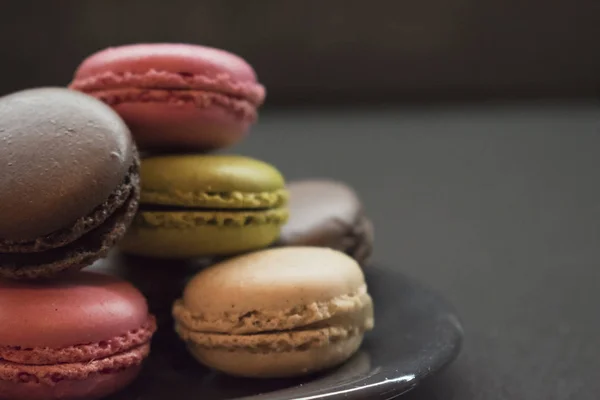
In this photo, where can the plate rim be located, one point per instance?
(376, 388)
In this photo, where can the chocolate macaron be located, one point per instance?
(327, 213)
(69, 185)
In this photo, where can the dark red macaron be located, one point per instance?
(82, 336)
(69, 181)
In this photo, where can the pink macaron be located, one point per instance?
(175, 96)
(81, 336)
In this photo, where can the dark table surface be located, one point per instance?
(497, 207)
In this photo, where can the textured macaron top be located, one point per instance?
(169, 66)
(62, 153)
(77, 309)
(275, 289)
(219, 181)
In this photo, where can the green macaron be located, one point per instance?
(206, 205)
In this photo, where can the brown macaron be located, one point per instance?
(69, 181)
(328, 213)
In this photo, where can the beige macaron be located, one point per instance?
(276, 313)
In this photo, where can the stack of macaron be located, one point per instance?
(69, 188)
(277, 312)
(285, 294)
(182, 102)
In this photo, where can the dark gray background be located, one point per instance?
(333, 51)
(497, 208)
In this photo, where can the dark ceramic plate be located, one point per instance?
(416, 334)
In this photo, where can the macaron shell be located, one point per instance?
(51, 373)
(77, 254)
(79, 308)
(254, 364)
(81, 353)
(184, 180)
(114, 88)
(181, 239)
(359, 244)
(94, 387)
(180, 58)
(144, 272)
(122, 196)
(273, 279)
(340, 313)
(179, 126)
(286, 341)
(321, 210)
(327, 213)
(62, 153)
